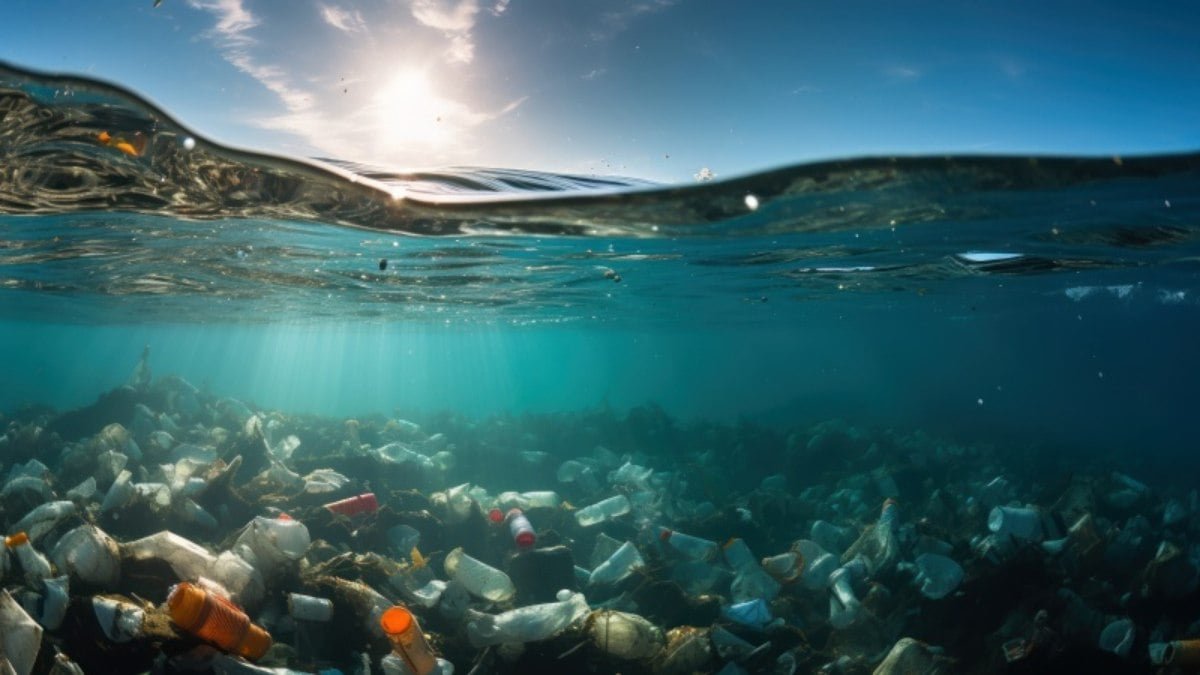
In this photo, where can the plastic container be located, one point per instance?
(392, 664)
(818, 564)
(1179, 653)
(738, 555)
(354, 506)
(625, 636)
(785, 567)
(526, 624)
(50, 606)
(44, 518)
(120, 621)
(752, 613)
(938, 575)
(603, 510)
(34, 564)
(216, 620)
(308, 608)
(520, 529)
(753, 583)
(1020, 523)
(119, 494)
(619, 565)
(273, 542)
(1117, 637)
(844, 606)
(408, 642)
(478, 578)
(689, 546)
(20, 635)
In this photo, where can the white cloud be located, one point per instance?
(593, 74)
(326, 124)
(901, 72)
(343, 20)
(456, 19)
(614, 22)
(499, 7)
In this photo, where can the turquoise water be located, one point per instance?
(1044, 299)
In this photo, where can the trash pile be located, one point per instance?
(165, 529)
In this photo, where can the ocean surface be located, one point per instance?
(1047, 302)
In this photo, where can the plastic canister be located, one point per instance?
(216, 620)
(408, 642)
(520, 529)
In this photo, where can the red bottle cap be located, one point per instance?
(495, 516)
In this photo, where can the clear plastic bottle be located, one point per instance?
(689, 546)
(408, 641)
(603, 510)
(785, 567)
(33, 563)
(273, 542)
(844, 606)
(479, 578)
(619, 565)
(526, 624)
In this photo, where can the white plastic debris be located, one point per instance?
(526, 624)
(479, 578)
(120, 621)
(89, 555)
(20, 635)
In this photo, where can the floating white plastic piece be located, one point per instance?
(20, 635)
(120, 621)
(274, 542)
(603, 510)
(44, 518)
(89, 555)
(479, 578)
(119, 494)
(84, 491)
(526, 624)
(623, 562)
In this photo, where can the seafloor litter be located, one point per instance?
(171, 530)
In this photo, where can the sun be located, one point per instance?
(410, 112)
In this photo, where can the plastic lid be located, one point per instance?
(495, 515)
(17, 540)
(525, 539)
(396, 620)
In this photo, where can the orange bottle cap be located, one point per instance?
(396, 621)
(16, 540)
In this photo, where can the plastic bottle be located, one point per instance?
(752, 613)
(216, 620)
(818, 564)
(478, 578)
(619, 565)
(691, 547)
(1020, 523)
(353, 506)
(526, 624)
(520, 529)
(408, 642)
(34, 564)
(625, 636)
(44, 518)
(603, 510)
(844, 606)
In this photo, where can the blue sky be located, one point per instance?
(648, 88)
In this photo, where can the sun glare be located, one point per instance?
(410, 111)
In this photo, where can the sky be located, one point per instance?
(654, 89)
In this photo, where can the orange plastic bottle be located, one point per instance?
(408, 641)
(216, 620)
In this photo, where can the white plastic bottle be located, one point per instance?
(603, 510)
(479, 578)
(526, 624)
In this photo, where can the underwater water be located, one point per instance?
(1041, 307)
